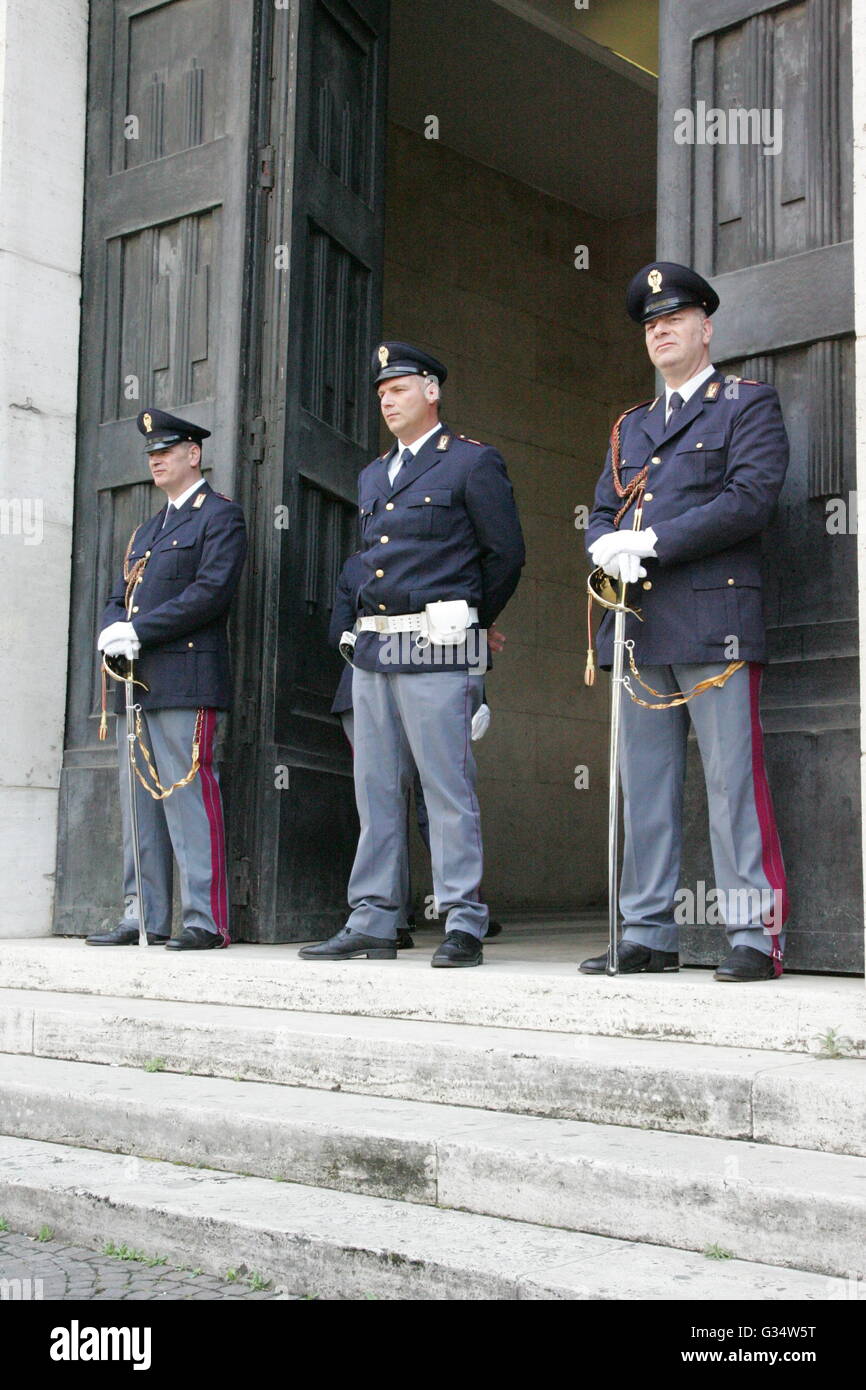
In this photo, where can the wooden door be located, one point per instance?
(315, 308)
(168, 177)
(773, 233)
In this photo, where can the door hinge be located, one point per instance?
(258, 431)
(266, 167)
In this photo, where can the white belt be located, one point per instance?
(402, 622)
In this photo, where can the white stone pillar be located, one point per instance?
(858, 20)
(43, 90)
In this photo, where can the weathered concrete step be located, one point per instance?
(330, 1244)
(785, 1015)
(762, 1202)
(775, 1098)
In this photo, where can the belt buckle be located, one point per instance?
(381, 624)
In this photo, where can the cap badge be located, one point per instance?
(654, 279)
(383, 356)
(147, 421)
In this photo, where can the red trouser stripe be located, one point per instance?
(771, 849)
(213, 806)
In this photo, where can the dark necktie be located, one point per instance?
(675, 405)
(405, 460)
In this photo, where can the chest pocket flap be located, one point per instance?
(704, 443)
(429, 497)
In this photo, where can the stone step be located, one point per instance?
(341, 1245)
(775, 1098)
(788, 1015)
(763, 1203)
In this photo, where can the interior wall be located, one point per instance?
(480, 270)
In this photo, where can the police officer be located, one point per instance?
(168, 614)
(709, 457)
(442, 553)
(343, 617)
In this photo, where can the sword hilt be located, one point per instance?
(638, 518)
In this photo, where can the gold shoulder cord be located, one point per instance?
(133, 574)
(629, 494)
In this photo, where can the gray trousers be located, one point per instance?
(750, 898)
(187, 826)
(401, 722)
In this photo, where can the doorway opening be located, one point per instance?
(520, 199)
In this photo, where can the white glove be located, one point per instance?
(625, 566)
(480, 722)
(639, 543)
(113, 633)
(119, 646)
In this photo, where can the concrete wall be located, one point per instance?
(479, 269)
(43, 84)
(858, 24)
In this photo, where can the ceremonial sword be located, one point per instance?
(616, 685)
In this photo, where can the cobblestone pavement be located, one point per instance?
(56, 1270)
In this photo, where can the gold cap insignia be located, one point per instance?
(383, 356)
(147, 421)
(654, 279)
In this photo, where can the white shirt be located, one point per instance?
(687, 390)
(394, 465)
(184, 497)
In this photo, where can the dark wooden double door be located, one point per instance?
(233, 267)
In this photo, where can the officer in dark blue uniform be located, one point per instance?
(708, 459)
(168, 613)
(343, 617)
(442, 553)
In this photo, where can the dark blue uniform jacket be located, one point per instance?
(180, 608)
(448, 529)
(713, 483)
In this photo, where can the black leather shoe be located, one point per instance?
(405, 939)
(493, 929)
(745, 963)
(633, 959)
(124, 936)
(196, 939)
(348, 944)
(458, 949)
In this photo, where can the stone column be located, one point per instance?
(43, 90)
(858, 21)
